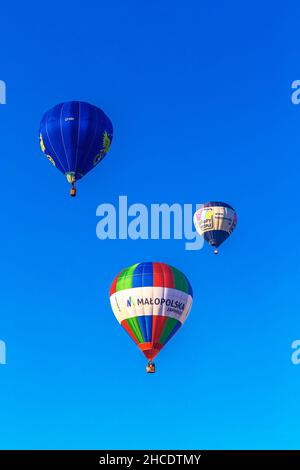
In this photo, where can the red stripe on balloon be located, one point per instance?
(158, 324)
(168, 276)
(113, 287)
(158, 275)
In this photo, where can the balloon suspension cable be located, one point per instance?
(73, 189)
(216, 251)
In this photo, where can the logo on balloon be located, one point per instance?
(170, 303)
(130, 302)
(42, 145)
(205, 219)
(105, 148)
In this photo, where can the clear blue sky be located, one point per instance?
(199, 95)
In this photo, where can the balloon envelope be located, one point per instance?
(151, 301)
(75, 136)
(215, 221)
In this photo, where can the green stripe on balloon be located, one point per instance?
(135, 327)
(180, 281)
(125, 278)
(168, 328)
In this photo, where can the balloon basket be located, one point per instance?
(73, 191)
(150, 369)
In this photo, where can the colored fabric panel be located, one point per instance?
(158, 325)
(127, 327)
(145, 323)
(151, 274)
(135, 327)
(180, 281)
(167, 330)
(167, 275)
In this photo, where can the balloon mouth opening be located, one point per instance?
(71, 177)
(213, 244)
(150, 350)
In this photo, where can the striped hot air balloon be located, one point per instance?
(151, 301)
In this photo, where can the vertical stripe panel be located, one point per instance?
(145, 323)
(168, 328)
(147, 272)
(113, 287)
(135, 327)
(158, 275)
(168, 275)
(172, 333)
(179, 280)
(129, 331)
(158, 324)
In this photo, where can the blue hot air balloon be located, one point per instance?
(75, 136)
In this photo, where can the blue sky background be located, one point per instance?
(199, 95)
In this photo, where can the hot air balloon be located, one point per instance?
(75, 136)
(215, 221)
(151, 301)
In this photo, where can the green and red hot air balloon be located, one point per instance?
(151, 301)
